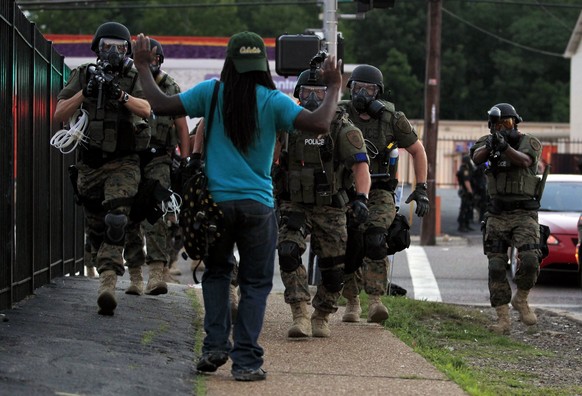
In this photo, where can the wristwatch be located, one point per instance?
(124, 98)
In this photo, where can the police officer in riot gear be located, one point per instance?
(156, 161)
(512, 217)
(384, 129)
(464, 178)
(108, 169)
(319, 173)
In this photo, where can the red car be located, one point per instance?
(560, 210)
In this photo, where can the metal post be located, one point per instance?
(330, 26)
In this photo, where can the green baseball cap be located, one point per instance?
(247, 51)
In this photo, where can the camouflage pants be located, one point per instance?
(373, 274)
(156, 235)
(115, 182)
(328, 229)
(516, 228)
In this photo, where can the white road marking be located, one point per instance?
(423, 281)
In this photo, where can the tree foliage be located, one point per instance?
(491, 51)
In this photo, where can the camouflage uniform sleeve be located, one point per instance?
(73, 84)
(172, 88)
(404, 132)
(351, 145)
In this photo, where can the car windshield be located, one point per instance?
(562, 197)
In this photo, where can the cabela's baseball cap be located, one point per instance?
(247, 51)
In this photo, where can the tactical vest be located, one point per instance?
(163, 129)
(510, 182)
(315, 174)
(377, 132)
(114, 128)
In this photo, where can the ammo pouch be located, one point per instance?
(146, 204)
(497, 206)
(398, 236)
(310, 187)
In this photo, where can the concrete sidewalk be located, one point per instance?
(358, 358)
(55, 343)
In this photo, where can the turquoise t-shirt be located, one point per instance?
(233, 175)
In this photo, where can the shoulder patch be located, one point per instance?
(355, 138)
(401, 122)
(535, 144)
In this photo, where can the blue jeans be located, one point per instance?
(252, 226)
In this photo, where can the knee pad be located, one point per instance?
(375, 245)
(115, 232)
(497, 269)
(289, 256)
(332, 279)
(529, 260)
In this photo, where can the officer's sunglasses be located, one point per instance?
(305, 91)
(106, 44)
(505, 124)
(371, 89)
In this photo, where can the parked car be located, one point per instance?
(561, 206)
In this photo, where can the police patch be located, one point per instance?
(355, 139)
(535, 144)
(402, 123)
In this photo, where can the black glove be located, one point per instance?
(113, 91)
(421, 197)
(500, 143)
(489, 143)
(193, 162)
(359, 209)
(92, 88)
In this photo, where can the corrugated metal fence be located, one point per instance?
(41, 229)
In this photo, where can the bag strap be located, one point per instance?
(211, 114)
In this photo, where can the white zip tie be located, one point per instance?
(74, 136)
(172, 205)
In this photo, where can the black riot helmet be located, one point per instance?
(159, 49)
(303, 79)
(508, 110)
(155, 66)
(111, 30)
(367, 74)
(310, 90)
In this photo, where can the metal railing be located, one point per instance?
(41, 229)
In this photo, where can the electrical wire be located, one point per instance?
(524, 47)
(73, 136)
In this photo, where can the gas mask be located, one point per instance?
(113, 52)
(311, 97)
(362, 95)
(507, 128)
(155, 66)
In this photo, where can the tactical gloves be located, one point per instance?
(496, 142)
(421, 197)
(359, 209)
(92, 88)
(113, 91)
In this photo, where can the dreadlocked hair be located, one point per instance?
(240, 103)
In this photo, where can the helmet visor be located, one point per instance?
(505, 124)
(305, 91)
(109, 44)
(370, 89)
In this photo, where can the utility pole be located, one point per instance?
(431, 113)
(330, 26)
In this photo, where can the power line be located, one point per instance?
(84, 5)
(524, 47)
